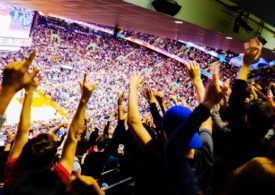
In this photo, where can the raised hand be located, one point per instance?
(252, 51)
(10, 136)
(14, 75)
(193, 70)
(160, 98)
(214, 93)
(135, 80)
(120, 97)
(174, 99)
(148, 94)
(87, 88)
(33, 82)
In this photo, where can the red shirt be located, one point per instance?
(10, 173)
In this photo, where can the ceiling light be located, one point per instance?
(178, 22)
(228, 37)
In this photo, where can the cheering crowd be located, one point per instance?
(181, 133)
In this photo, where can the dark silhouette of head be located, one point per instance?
(260, 118)
(38, 182)
(101, 142)
(38, 152)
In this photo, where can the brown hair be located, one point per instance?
(257, 176)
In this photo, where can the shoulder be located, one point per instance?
(62, 172)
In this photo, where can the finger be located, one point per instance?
(40, 78)
(28, 62)
(85, 78)
(80, 84)
(225, 86)
(33, 73)
(215, 78)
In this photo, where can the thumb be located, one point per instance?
(32, 75)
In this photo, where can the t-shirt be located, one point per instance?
(11, 174)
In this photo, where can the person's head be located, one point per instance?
(101, 142)
(172, 118)
(260, 118)
(257, 176)
(39, 152)
(38, 182)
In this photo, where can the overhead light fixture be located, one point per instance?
(240, 22)
(263, 40)
(178, 22)
(169, 7)
(229, 38)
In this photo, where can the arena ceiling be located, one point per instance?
(133, 18)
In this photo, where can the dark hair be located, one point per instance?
(94, 135)
(260, 118)
(101, 142)
(38, 152)
(38, 182)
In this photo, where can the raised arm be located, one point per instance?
(134, 118)
(150, 97)
(22, 135)
(74, 133)
(252, 51)
(120, 111)
(119, 132)
(237, 109)
(182, 178)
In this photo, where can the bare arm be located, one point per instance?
(22, 135)
(74, 133)
(134, 118)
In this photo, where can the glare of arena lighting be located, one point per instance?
(228, 37)
(178, 22)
